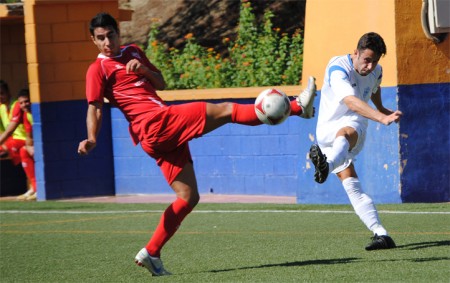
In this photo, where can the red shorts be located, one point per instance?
(165, 136)
(14, 147)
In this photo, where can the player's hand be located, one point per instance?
(135, 66)
(394, 117)
(85, 147)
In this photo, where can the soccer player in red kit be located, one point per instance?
(125, 76)
(24, 150)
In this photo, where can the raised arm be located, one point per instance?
(155, 78)
(381, 115)
(93, 124)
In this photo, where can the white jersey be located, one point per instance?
(342, 80)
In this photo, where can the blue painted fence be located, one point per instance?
(263, 160)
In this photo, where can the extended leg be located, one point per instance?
(185, 187)
(365, 209)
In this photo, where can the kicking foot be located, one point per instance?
(306, 99)
(380, 243)
(320, 163)
(153, 264)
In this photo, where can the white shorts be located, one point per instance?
(327, 135)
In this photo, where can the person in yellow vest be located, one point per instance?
(11, 141)
(17, 138)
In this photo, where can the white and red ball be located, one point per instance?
(272, 106)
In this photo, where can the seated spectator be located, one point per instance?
(19, 146)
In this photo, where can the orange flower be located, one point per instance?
(154, 43)
(189, 36)
(210, 49)
(246, 64)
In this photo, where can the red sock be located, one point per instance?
(168, 225)
(295, 108)
(28, 166)
(245, 114)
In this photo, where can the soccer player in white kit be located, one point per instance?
(350, 82)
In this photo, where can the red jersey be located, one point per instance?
(21, 117)
(132, 93)
(17, 113)
(28, 123)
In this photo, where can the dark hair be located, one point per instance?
(4, 86)
(23, 92)
(372, 41)
(103, 20)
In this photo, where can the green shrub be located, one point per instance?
(259, 56)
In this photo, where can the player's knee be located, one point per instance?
(194, 200)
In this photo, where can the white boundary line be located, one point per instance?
(210, 211)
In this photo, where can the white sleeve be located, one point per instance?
(340, 83)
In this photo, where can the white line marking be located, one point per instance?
(210, 211)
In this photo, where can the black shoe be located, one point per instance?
(380, 243)
(320, 163)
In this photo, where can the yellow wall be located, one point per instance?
(59, 50)
(333, 28)
(419, 59)
(58, 46)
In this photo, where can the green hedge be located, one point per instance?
(259, 56)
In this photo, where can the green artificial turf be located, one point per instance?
(86, 242)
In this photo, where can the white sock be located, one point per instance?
(363, 206)
(338, 153)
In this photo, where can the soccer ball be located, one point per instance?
(272, 106)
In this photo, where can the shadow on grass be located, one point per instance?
(430, 259)
(294, 263)
(424, 245)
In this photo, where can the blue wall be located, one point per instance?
(425, 142)
(267, 160)
(233, 159)
(60, 173)
(377, 166)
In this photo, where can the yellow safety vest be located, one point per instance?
(5, 118)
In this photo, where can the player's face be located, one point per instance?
(365, 61)
(107, 41)
(25, 103)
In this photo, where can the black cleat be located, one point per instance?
(320, 163)
(381, 243)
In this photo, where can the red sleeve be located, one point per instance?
(27, 125)
(95, 83)
(17, 113)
